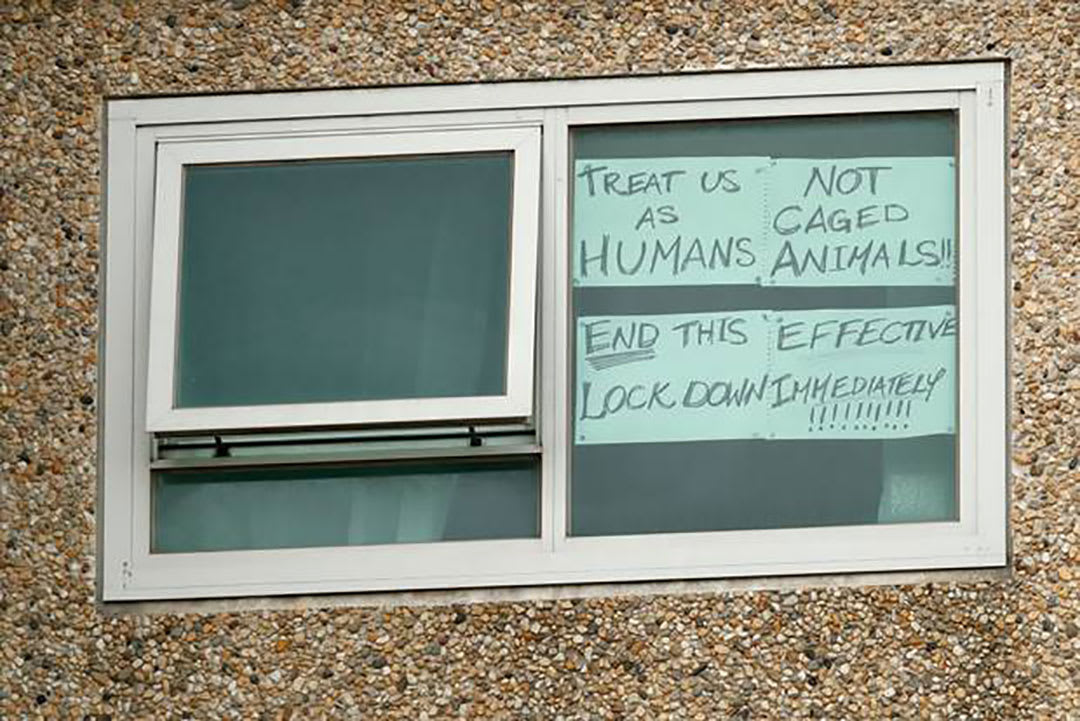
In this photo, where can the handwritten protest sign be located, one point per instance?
(868, 221)
(677, 221)
(851, 373)
(764, 221)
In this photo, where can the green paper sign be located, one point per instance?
(677, 221)
(764, 221)
(854, 373)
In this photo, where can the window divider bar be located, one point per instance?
(231, 439)
(348, 457)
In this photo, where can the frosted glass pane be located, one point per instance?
(217, 510)
(728, 370)
(364, 279)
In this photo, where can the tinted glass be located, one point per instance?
(332, 506)
(343, 280)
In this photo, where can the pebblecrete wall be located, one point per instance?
(991, 649)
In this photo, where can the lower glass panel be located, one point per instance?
(746, 485)
(228, 510)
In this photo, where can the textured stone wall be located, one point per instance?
(988, 649)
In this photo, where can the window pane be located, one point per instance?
(320, 506)
(765, 324)
(337, 280)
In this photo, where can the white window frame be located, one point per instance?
(174, 154)
(137, 128)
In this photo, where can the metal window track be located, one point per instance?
(348, 457)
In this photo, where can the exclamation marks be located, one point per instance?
(948, 263)
(832, 414)
(817, 417)
(868, 414)
(894, 414)
(897, 414)
(903, 414)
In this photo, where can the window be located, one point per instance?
(555, 332)
(784, 298)
(314, 280)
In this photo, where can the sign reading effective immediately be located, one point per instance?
(851, 373)
(764, 221)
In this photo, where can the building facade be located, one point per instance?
(983, 642)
